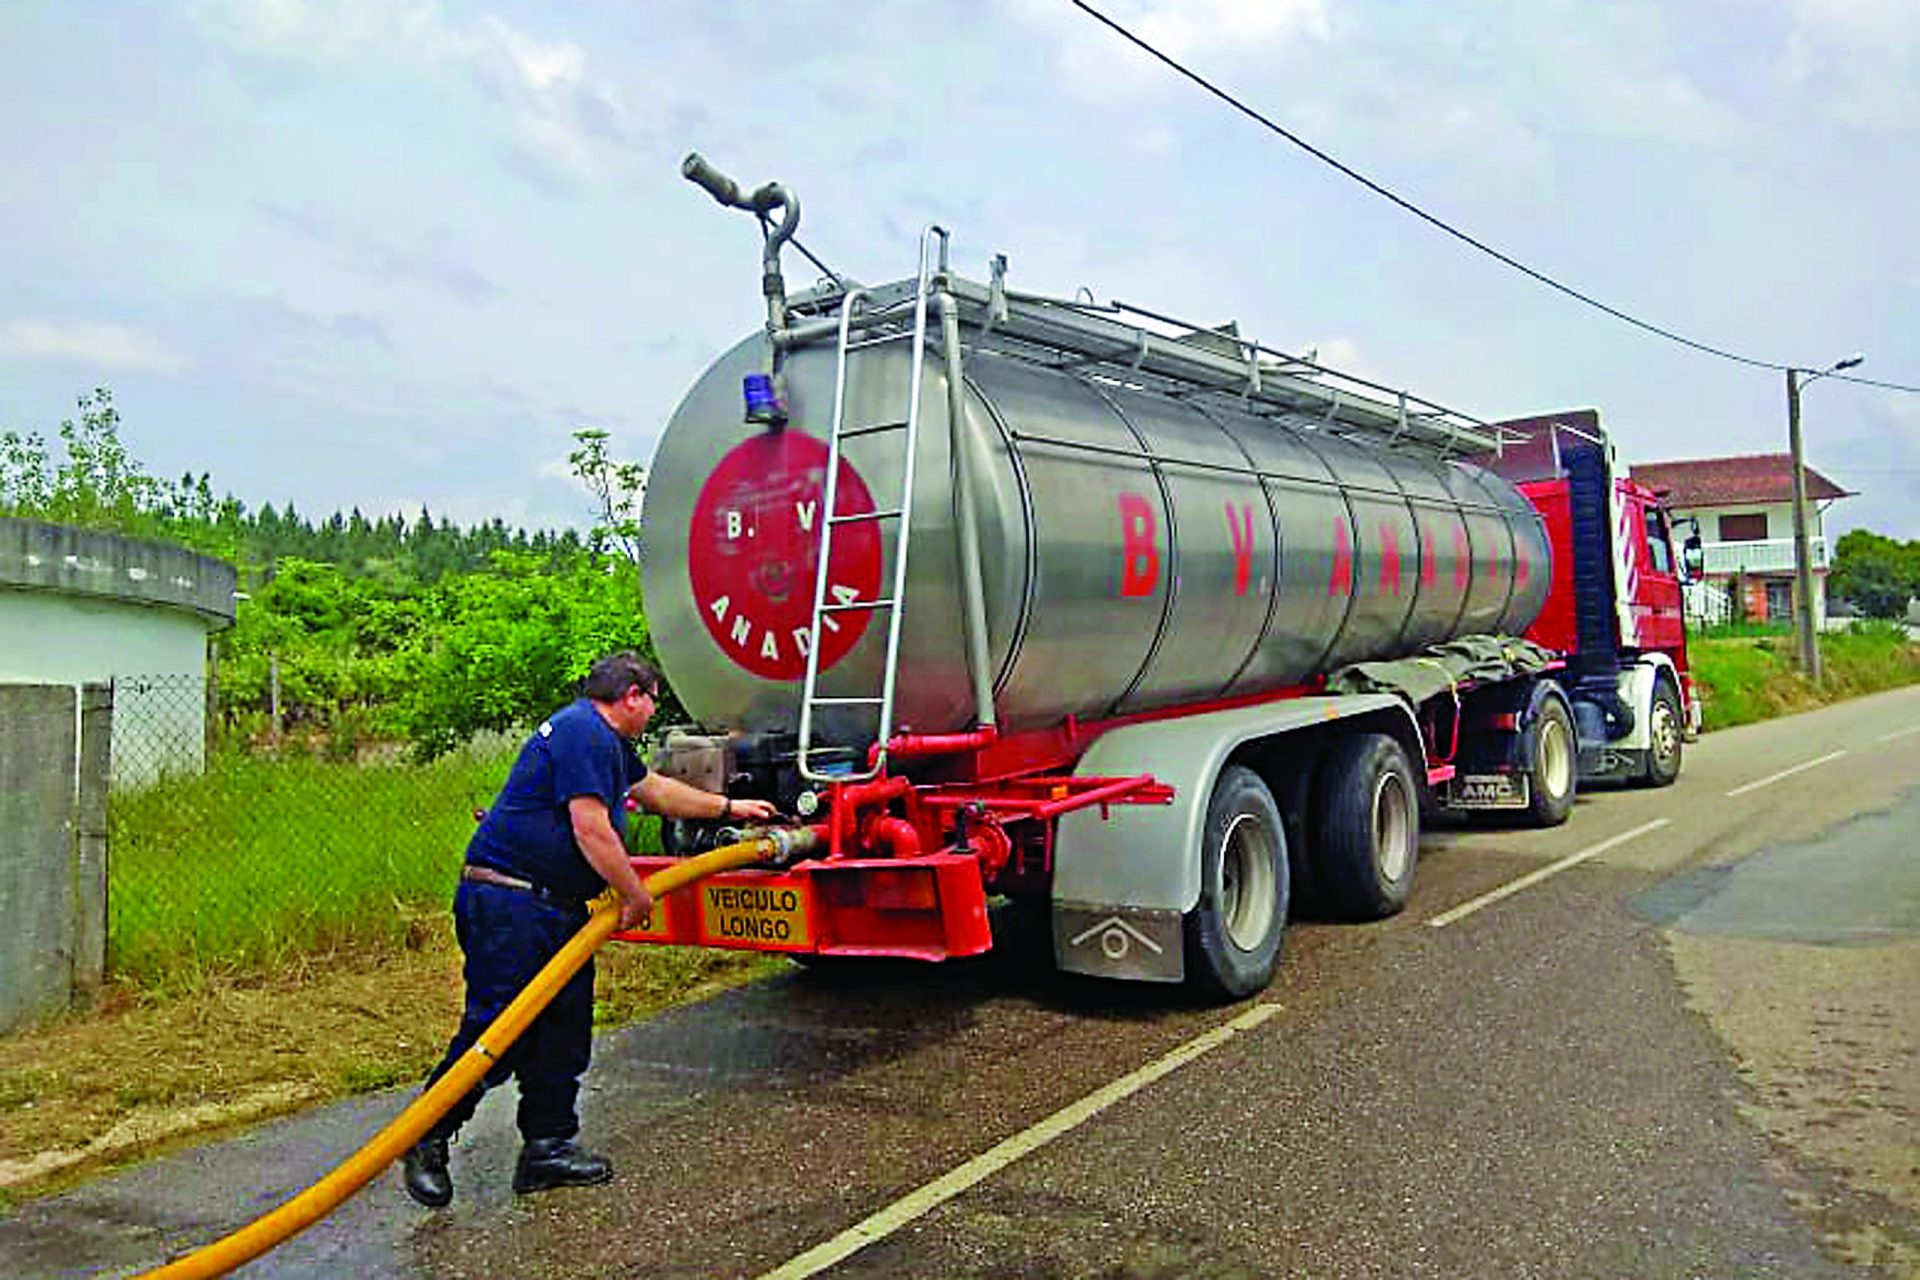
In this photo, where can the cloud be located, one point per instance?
(1343, 356)
(554, 114)
(1099, 64)
(1860, 57)
(384, 261)
(107, 346)
(274, 318)
(1660, 104)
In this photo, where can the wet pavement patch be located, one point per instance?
(1856, 885)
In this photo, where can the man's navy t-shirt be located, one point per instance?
(528, 832)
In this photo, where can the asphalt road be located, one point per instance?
(1594, 1075)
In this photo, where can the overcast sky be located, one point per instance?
(389, 253)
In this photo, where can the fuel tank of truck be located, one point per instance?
(1139, 551)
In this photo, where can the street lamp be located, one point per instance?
(1802, 553)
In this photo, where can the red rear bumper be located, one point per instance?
(924, 908)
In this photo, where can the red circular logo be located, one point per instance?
(754, 548)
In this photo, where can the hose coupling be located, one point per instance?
(787, 845)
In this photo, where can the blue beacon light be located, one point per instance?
(763, 406)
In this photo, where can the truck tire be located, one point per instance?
(1553, 764)
(1233, 933)
(1664, 727)
(1367, 828)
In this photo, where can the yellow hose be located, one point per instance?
(407, 1128)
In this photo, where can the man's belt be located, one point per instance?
(501, 880)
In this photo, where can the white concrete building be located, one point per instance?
(78, 606)
(1745, 509)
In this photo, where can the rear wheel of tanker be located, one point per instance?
(1233, 933)
(1367, 830)
(1664, 725)
(1553, 770)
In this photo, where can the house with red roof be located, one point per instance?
(1744, 507)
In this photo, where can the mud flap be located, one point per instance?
(1140, 943)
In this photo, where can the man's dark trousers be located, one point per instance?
(508, 935)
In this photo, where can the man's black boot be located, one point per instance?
(427, 1178)
(558, 1162)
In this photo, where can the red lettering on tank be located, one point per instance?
(1139, 556)
(1240, 528)
(1427, 566)
(1389, 560)
(1520, 569)
(1341, 583)
(1462, 558)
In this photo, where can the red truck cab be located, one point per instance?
(1616, 604)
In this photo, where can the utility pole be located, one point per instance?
(1802, 552)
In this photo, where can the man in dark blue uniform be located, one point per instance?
(552, 840)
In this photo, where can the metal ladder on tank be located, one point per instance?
(894, 602)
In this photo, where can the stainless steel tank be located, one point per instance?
(1139, 551)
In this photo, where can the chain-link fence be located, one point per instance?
(225, 853)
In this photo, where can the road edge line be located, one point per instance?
(1772, 778)
(932, 1195)
(1512, 887)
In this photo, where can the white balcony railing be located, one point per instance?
(1770, 555)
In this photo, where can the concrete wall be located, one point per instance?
(52, 846)
(79, 606)
(53, 639)
(35, 555)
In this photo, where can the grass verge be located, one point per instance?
(1754, 677)
(279, 936)
(262, 860)
(141, 1071)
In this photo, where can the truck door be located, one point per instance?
(1659, 620)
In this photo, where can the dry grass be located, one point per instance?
(138, 1072)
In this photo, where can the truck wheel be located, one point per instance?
(1233, 933)
(1553, 768)
(1368, 828)
(1664, 726)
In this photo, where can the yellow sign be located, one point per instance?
(653, 928)
(766, 915)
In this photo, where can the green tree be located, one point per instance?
(617, 488)
(504, 647)
(416, 630)
(1877, 574)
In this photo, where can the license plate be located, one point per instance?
(754, 915)
(1488, 791)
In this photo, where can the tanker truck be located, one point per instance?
(1139, 629)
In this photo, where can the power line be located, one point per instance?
(1872, 382)
(1441, 224)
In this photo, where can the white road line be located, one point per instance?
(1899, 733)
(944, 1188)
(1512, 887)
(1772, 778)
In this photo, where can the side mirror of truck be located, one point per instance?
(1693, 558)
